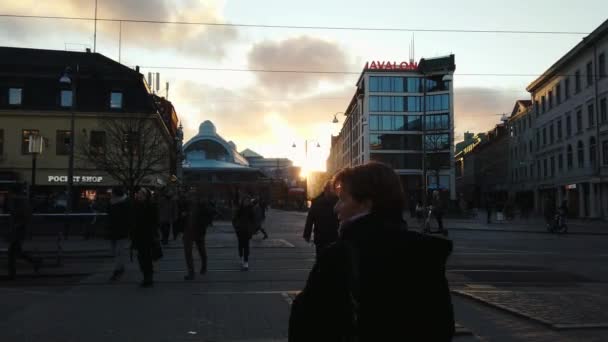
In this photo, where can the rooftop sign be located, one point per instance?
(378, 65)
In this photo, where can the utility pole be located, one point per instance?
(95, 32)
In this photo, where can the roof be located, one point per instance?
(212, 164)
(247, 153)
(208, 132)
(587, 42)
(520, 107)
(32, 59)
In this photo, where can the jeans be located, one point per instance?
(144, 257)
(119, 253)
(202, 252)
(244, 246)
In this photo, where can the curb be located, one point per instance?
(558, 326)
(526, 231)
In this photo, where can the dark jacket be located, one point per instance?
(244, 220)
(20, 217)
(198, 220)
(119, 218)
(401, 292)
(322, 220)
(145, 223)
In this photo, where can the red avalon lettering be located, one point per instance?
(377, 65)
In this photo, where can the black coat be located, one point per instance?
(322, 220)
(401, 291)
(119, 219)
(145, 223)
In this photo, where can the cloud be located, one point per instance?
(478, 109)
(210, 42)
(300, 53)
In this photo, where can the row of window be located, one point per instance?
(409, 103)
(546, 168)
(408, 122)
(395, 84)
(66, 98)
(97, 140)
(554, 96)
(553, 132)
(436, 161)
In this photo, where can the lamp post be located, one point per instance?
(66, 79)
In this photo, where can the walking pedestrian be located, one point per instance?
(198, 220)
(420, 214)
(351, 291)
(438, 211)
(19, 221)
(322, 221)
(118, 226)
(145, 233)
(167, 214)
(258, 217)
(244, 224)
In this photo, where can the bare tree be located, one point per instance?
(130, 149)
(435, 157)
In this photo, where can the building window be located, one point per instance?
(567, 88)
(530, 146)
(560, 162)
(532, 171)
(603, 110)
(577, 81)
(545, 168)
(592, 151)
(63, 143)
(543, 104)
(559, 129)
(605, 152)
(386, 84)
(550, 96)
(373, 122)
(66, 98)
(1, 142)
(116, 100)
(25, 139)
(558, 94)
(602, 65)
(569, 157)
(437, 102)
(537, 139)
(414, 123)
(579, 120)
(437, 122)
(98, 142)
(552, 164)
(536, 108)
(544, 136)
(568, 125)
(434, 142)
(591, 115)
(15, 96)
(414, 85)
(580, 154)
(589, 74)
(551, 134)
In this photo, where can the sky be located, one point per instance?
(269, 113)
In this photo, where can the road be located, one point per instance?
(507, 286)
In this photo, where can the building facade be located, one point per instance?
(559, 145)
(36, 104)
(402, 115)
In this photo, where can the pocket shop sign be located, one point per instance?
(77, 179)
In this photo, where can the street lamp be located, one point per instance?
(66, 80)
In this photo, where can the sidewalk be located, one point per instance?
(534, 224)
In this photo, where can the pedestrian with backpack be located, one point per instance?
(378, 282)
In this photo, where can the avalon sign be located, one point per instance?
(77, 179)
(378, 65)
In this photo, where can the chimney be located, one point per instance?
(88, 50)
(137, 68)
